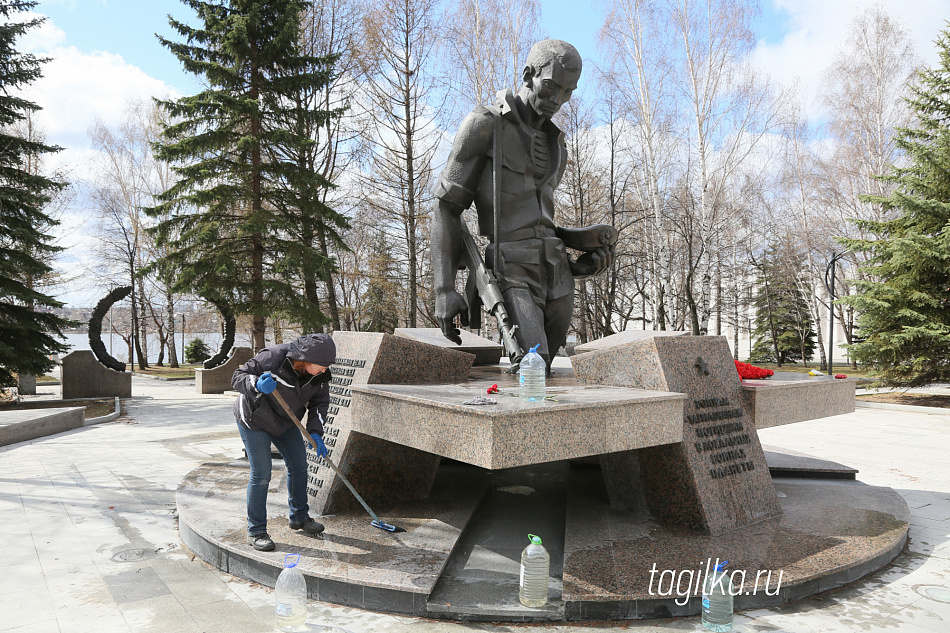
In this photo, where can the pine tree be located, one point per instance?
(28, 330)
(904, 304)
(234, 217)
(382, 294)
(783, 331)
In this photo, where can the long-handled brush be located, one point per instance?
(376, 522)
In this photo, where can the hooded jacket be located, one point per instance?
(305, 393)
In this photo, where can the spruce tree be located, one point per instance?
(234, 217)
(904, 303)
(28, 330)
(783, 331)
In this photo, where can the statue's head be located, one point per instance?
(550, 76)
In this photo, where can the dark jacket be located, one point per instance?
(262, 412)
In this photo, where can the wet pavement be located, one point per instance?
(90, 532)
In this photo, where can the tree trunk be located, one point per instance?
(170, 328)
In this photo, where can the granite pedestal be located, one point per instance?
(486, 352)
(382, 470)
(516, 468)
(218, 379)
(716, 479)
(83, 376)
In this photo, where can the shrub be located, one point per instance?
(197, 351)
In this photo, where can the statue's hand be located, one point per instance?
(448, 305)
(588, 238)
(593, 262)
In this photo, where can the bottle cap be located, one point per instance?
(535, 539)
(534, 350)
(288, 564)
(721, 566)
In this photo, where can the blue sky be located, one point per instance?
(129, 27)
(104, 53)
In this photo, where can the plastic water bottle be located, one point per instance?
(535, 568)
(717, 600)
(290, 597)
(531, 375)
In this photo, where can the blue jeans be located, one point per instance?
(292, 448)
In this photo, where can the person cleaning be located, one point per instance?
(300, 372)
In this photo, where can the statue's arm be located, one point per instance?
(456, 191)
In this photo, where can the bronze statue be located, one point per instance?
(527, 279)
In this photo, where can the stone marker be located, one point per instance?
(717, 478)
(382, 472)
(26, 384)
(486, 352)
(621, 338)
(218, 379)
(83, 376)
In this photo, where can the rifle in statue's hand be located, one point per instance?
(490, 294)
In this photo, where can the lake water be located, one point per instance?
(120, 351)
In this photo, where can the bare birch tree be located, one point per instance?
(863, 93)
(732, 108)
(400, 43)
(486, 45)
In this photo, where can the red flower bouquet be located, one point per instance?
(751, 371)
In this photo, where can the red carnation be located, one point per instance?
(493, 389)
(841, 375)
(747, 371)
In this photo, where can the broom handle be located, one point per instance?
(329, 462)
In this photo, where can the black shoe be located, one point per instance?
(308, 525)
(261, 542)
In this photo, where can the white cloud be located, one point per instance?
(76, 89)
(817, 30)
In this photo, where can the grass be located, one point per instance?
(184, 371)
(94, 408)
(916, 399)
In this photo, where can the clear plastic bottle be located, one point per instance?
(290, 597)
(535, 568)
(717, 600)
(531, 374)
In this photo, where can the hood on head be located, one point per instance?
(313, 348)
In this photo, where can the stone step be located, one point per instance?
(480, 580)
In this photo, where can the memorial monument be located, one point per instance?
(679, 478)
(507, 159)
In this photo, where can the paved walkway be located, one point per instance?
(89, 533)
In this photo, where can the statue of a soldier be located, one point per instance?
(527, 278)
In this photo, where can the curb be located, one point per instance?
(165, 378)
(106, 418)
(902, 407)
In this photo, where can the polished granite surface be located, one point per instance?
(825, 529)
(577, 421)
(211, 501)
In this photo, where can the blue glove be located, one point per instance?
(321, 447)
(266, 383)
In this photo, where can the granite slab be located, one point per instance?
(352, 562)
(22, 425)
(218, 379)
(382, 471)
(828, 534)
(622, 338)
(788, 398)
(584, 420)
(486, 352)
(83, 376)
(784, 462)
(481, 579)
(716, 479)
